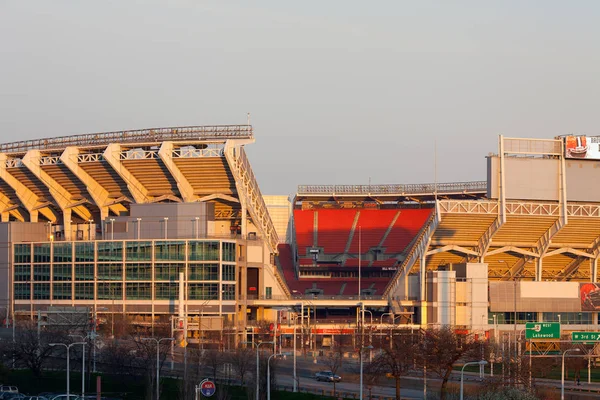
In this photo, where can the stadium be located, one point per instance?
(169, 226)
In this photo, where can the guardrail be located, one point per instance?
(419, 188)
(142, 135)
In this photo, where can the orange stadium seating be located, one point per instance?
(334, 227)
(304, 223)
(406, 227)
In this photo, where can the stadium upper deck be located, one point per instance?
(84, 178)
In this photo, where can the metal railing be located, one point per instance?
(419, 188)
(153, 135)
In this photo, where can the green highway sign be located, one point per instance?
(585, 336)
(542, 330)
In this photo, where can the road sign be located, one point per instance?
(207, 388)
(585, 336)
(542, 330)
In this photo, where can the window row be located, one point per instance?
(114, 272)
(64, 252)
(114, 291)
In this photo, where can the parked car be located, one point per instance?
(34, 398)
(327, 376)
(11, 396)
(65, 397)
(7, 388)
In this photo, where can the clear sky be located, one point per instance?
(338, 91)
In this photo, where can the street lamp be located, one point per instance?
(166, 219)
(562, 374)
(139, 227)
(197, 227)
(68, 347)
(269, 372)
(361, 369)
(83, 338)
(158, 361)
(257, 345)
(462, 373)
(112, 229)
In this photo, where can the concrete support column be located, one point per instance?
(538, 269)
(33, 215)
(5, 216)
(67, 223)
(594, 272)
(423, 290)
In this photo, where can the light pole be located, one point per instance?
(82, 364)
(462, 373)
(112, 229)
(68, 347)
(269, 373)
(361, 369)
(139, 227)
(166, 219)
(158, 361)
(562, 374)
(257, 345)
(197, 227)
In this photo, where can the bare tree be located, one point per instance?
(243, 362)
(334, 360)
(213, 359)
(31, 347)
(398, 359)
(443, 348)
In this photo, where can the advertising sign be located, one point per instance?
(542, 330)
(583, 147)
(589, 294)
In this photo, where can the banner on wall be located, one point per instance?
(590, 296)
(582, 147)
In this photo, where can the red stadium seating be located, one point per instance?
(373, 225)
(334, 229)
(384, 263)
(286, 261)
(304, 224)
(406, 228)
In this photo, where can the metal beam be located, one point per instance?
(457, 249)
(513, 249)
(570, 251)
(483, 245)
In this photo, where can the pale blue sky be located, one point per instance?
(339, 91)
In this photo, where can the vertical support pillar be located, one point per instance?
(33, 215)
(5, 216)
(594, 271)
(538, 269)
(67, 223)
(423, 289)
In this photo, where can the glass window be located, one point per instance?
(268, 292)
(41, 291)
(568, 317)
(63, 252)
(169, 251)
(203, 291)
(61, 291)
(228, 251)
(203, 251)
(22, 291)
(22, 273)
(139, 251)
(84, 291)
(84, 251)
(41, 252)
(22, 253)
(203, 272)
(84, 272)
(110, 272)
(138, 272)
(138, 291)
(110, 291)
(41, 272)
(61, 272)
(168, 272)
(110, 251)
(228, 273)
(167, 291)
(228, 291)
